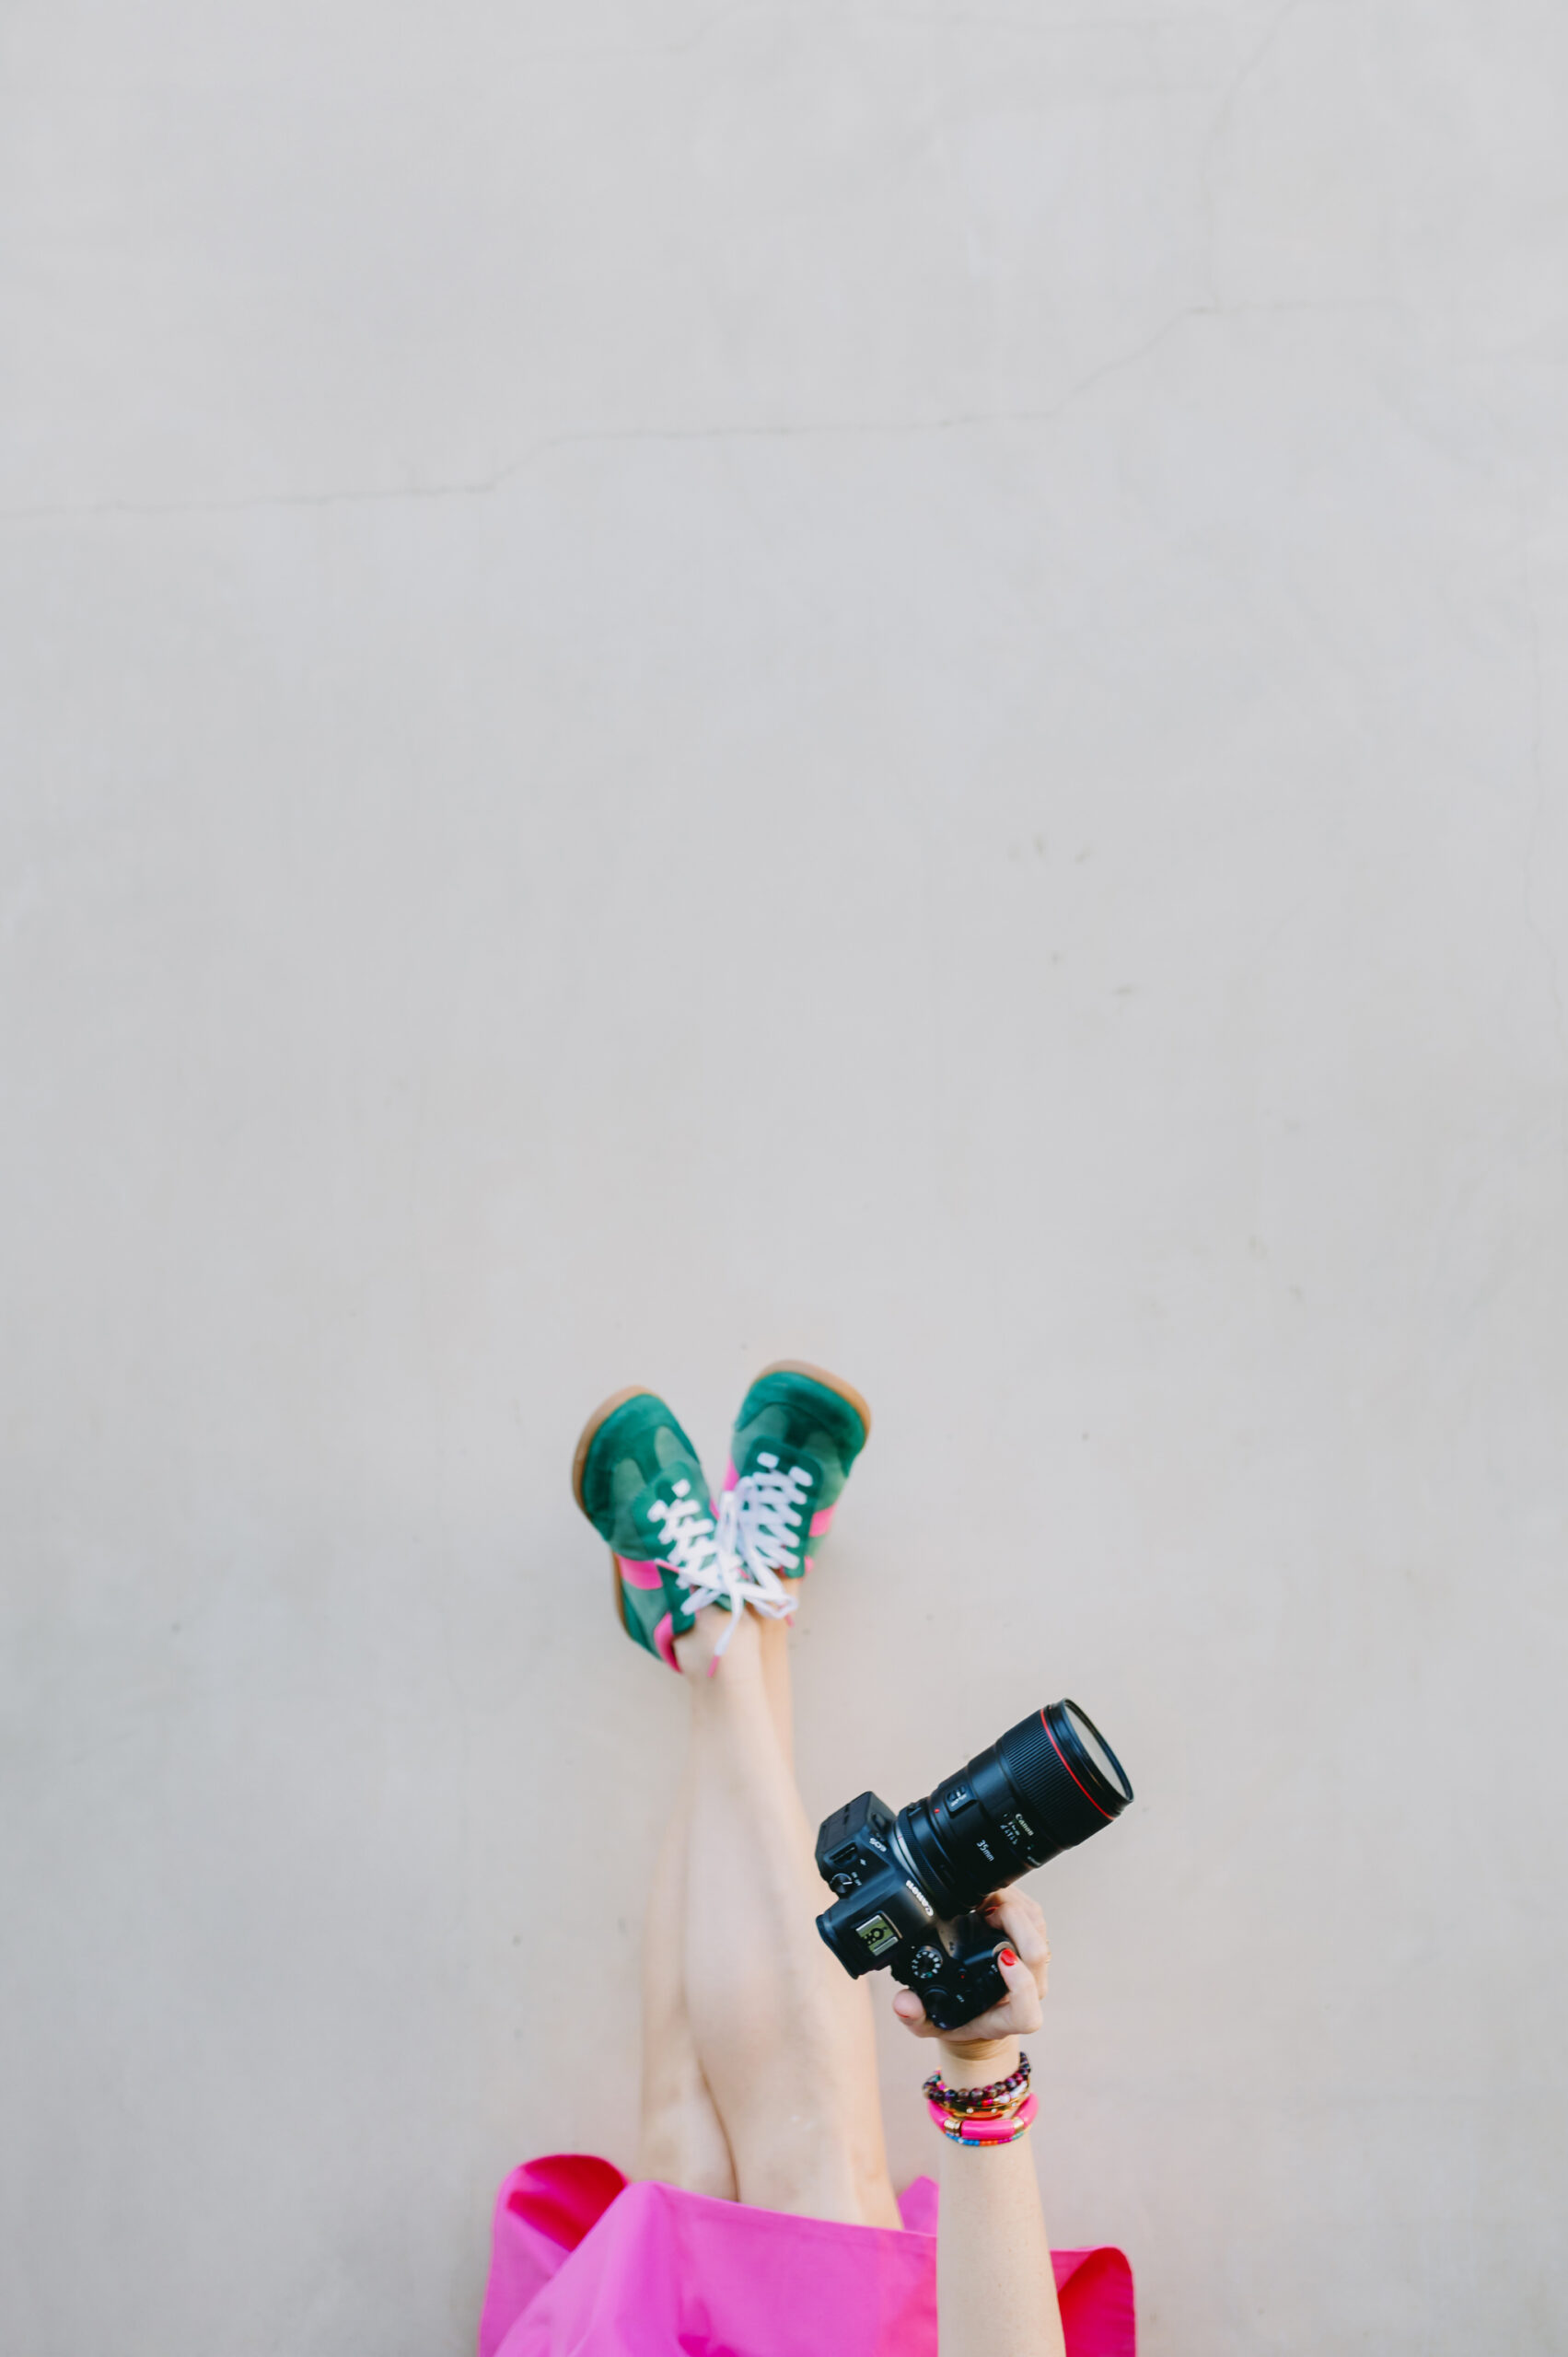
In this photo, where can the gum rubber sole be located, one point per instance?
(830, 1382)
(602, 1415)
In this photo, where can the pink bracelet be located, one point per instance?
(984, 2131)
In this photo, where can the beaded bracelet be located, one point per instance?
(973, 2102)
(1001, 2130)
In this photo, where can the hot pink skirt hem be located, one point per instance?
(586, 2265)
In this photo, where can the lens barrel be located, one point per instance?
(1041, 1788)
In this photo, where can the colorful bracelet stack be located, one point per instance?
(994, 2114)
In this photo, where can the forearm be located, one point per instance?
(996, 2290)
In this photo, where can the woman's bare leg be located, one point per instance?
(772, 1636)
(680, 2140)
(781, 2035)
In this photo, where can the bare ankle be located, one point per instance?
(699, 1651)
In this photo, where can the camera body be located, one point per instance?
(908, 1884)
(881, 1906)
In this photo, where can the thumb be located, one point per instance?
(908, 2008)
(1018, 1976)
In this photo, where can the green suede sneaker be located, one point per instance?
(639, 1480)
(798, 1432)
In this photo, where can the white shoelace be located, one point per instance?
(713, 1562)
(771, 1526)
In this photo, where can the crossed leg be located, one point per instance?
(681, 2141)
(759, 2060)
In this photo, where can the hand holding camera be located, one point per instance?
(924, 1892)
(1023, 1963)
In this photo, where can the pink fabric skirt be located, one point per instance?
(586, 2265)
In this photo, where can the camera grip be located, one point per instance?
(961, 1985)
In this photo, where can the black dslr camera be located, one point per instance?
(908, 1884)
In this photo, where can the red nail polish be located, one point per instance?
(1007, 1957)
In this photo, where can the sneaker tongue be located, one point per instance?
(817, 1454)
(817, 1450)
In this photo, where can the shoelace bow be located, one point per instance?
(737, 1557)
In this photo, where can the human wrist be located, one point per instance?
(978, 2063)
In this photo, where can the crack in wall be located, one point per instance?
(757, 429)
(1250, 66)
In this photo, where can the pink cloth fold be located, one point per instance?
(586, 2265)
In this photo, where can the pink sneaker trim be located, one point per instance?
(824, 1521)
(731, 1476)
(664, 1638)
(640, 1575)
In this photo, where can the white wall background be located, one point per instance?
(690, 682)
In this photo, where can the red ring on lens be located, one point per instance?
(1105, 1813)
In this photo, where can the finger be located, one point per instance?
(1023, 1925)
(1007, 2020)
(1022, 1991)
(1017, 2015)
(1018, 1915)
(909, 2009)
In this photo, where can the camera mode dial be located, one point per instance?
(924, 1963)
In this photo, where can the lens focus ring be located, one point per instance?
(1064, 1797)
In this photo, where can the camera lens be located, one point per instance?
(1041, 1788)
(1102, 1759)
